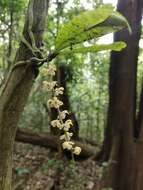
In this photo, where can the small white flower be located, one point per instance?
(62, 114)
(54, 103)
(68, 145)
(67, 125)
(49, 85)
(59, 91)
(52, 69)
(67, 136)
(56, 123)
(77, 150)
(62, 137)
(44, 71)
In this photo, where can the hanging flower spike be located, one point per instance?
(54, 103)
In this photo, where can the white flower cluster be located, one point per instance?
(60, 122)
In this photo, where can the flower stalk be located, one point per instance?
(60, 122)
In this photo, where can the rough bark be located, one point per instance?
(138, 150)
(119, 148)
(15, 91)
(52, 142)
(138, 124)
(10, 34)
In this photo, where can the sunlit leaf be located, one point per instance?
(116, 46)
(89, 25)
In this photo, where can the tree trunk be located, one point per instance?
(139, 118)
(119, 147)
(10, 34)
(50, 141)
(138, 155)
(16, 89)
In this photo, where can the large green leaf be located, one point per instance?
(116, 46)
(89, 25)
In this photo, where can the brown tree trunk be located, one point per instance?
(119, 147)
(138, 156)
(139, 118)
(16, 89)
(50, 141)
(10, 35)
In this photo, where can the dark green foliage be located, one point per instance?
(21, 171)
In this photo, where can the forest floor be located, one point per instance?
(37, 168)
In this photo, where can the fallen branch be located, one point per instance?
(49, 141)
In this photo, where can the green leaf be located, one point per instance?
(116, 46)
(21, 171)
(89, 25)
